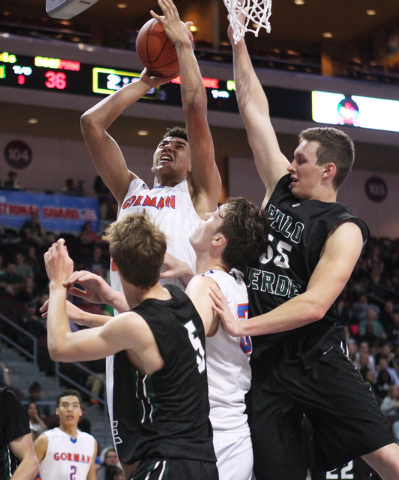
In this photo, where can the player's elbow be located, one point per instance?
(88, 122)
(316, 311)
(56, 351)
(196, 103)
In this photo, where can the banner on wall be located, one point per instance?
(59, 213)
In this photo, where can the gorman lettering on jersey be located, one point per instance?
(72, 457)
(147, 201)
(278, 255)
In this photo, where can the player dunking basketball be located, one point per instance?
(299, 363)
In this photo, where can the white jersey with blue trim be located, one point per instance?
(67, 458)
(172, 210)
(229, 372)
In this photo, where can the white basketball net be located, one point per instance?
(256, 12)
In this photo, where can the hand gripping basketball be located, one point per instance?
(155, 49)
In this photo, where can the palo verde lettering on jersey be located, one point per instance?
(147, 201)
(72, 457)
(283, 223)
(265, 281)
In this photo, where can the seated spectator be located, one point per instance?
(88, 236)
(360, 308)
(371, 328)
(36, 424)
(382, 384)
(8, 237)
(393, 328)
(29, 292)
(390, 404)
(71, 189)
(22, 268)
(11, 281)
(12, 182)
(110, 461)
(352, 349)
(115, 473)
(35, 396)
(386, 315)
(97, 263)
(32, 323)
(33, 261)
(383, 365)
(33, 231)
(367, 359)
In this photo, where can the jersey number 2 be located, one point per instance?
(72, 475)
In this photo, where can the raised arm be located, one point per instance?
(105, 152)
(127, 331)
(330, 276)
(254, 110)
(199, 290)
(204, 177)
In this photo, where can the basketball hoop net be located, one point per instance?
(256, 12)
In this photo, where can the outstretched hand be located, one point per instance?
(175, 29)
(59, 265)
(95, 288)
(221, 307)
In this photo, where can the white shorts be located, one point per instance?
(234, 455)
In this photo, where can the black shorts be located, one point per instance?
(175, 469)
(310, 375)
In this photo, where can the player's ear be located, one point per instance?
(219, 240)
(329, 169)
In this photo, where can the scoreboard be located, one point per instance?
(76, 78)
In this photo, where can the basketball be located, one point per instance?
(155, 51)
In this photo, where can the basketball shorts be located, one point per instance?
(234, 455)
(310, 375)
(175, 469)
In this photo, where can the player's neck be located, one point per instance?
(205, 263)
(135, 296)
(72, 431)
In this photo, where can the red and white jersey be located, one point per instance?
(227, 359)
(172, 210)
(67, 458)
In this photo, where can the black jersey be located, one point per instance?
(165, 415)
(13, 424)
(297, 233)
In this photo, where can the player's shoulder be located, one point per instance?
(85, 436)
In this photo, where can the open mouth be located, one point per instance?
(165, 158)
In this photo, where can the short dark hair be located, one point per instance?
(178, 132)
(35, 387)
(138, 248)
(244, 226)
(69, 392)
(335, 147)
